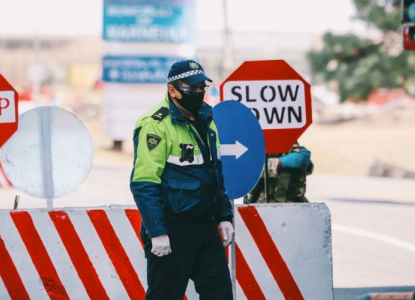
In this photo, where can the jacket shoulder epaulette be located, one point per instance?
(160, 114)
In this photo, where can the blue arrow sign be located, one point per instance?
(242, 147)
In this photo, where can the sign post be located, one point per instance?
(9, 114)
(50, 155)
(242, 153)
(144, 38)
(277, 95)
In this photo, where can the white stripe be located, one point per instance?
(4, 295)
(191, 293)
(255, 260)
(185, 75)
(21, 258)
(239, 292)
(198, 160)
(58, 255)
(97, 254)
(130, 243)
(375, 236)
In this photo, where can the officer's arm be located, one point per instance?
(225, 212)
(150, 158)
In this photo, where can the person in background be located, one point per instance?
(178, 186)
(286, 177)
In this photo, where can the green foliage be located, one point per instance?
(386, 17)
(359, 66)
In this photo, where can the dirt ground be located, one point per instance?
(348, 149)
(352, 147)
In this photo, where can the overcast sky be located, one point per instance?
(84, 17)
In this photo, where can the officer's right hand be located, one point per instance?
(161, 245)
(292, 160)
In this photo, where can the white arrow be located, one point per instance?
(236, 149)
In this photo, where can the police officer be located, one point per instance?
(286, 180)
(177, 184)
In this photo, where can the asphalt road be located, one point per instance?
(373, 233)
(373, 223)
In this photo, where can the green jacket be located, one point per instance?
(173, 168)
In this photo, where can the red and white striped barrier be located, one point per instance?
(3, 179)
(97, 254)
(283, 251)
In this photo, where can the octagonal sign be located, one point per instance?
(9, 115)
(277, 95)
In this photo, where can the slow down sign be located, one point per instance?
(277, 104)
(277, 95)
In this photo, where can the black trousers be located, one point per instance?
(197, 254)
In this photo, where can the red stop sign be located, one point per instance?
(9, 114)
(278, 96)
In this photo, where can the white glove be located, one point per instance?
(161, 245)
(227, 232)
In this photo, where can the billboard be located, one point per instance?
(160, 21)
(136, 69)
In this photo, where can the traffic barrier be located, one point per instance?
(4, 181)
(282, 252)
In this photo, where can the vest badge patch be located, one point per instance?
(187, 153)
(152, 141)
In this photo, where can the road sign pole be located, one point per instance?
(266, 179)
(232, 255)
(47, 155)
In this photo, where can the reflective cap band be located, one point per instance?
(184, 75)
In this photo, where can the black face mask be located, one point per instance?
(191, 103)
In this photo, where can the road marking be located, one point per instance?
(376, 236)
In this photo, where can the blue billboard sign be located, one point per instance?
(136, 69)
(166, 21)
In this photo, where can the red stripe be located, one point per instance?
(10, 276)
(39, 255)
(246, 278)
(4, 176)
(270, 253)
(78, 255)
(135, 219)
(117, 254)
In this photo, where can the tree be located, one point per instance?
(359, 66)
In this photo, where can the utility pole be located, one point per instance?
(36, 69)
(227, 47)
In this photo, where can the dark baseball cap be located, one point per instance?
(188, 71)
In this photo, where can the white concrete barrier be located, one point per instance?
(283, 251)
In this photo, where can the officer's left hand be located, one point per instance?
(161, 245)
(227, 232)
